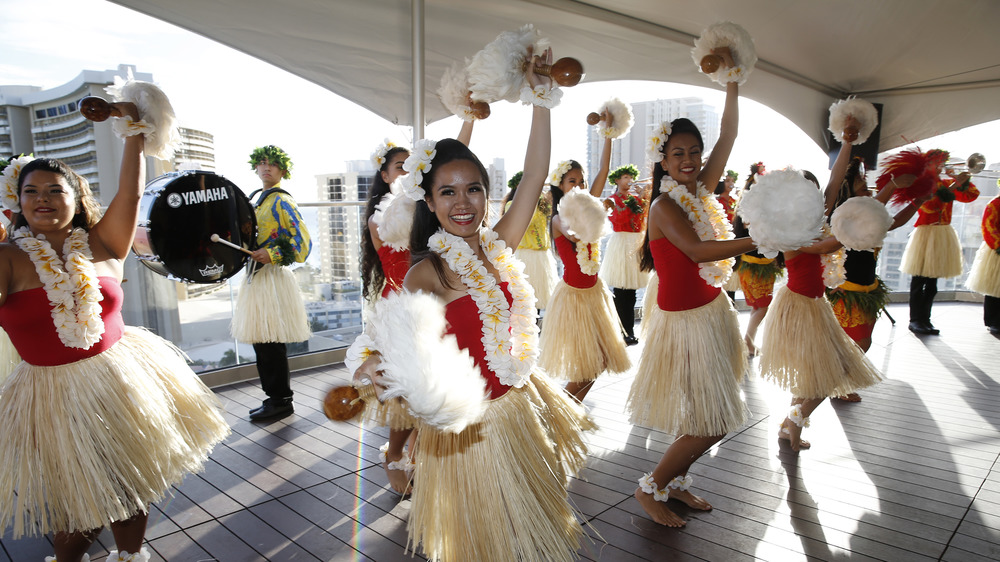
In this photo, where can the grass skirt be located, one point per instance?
(540, 268)
(497, 491)
(649, 301)
(582, 335)
(688, 381)
(620, 268)
(8, 356)
(985, 275)
(98, 440)
(933, 251)
(269, 308)
(806, 351)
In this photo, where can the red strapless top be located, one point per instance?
(464, 323)
(571, 269)
(395, 264)
(805, 275)
(681, 286)
(24, 317)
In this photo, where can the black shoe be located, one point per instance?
(631, 340)
(995, 330)
(931, 329)
(923, 328)
(272, 410)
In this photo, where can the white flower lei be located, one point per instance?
(710, 223)
(8, 190)
(541, 95)
(656, 141)
(378, 157)
(510, 334)
(555, 178)
(416, 165)
(72, 290)
(834, 272)
(588, 257)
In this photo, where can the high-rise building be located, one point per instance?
(196, 150)
(47, 123)
(648, 115)
(340, 226)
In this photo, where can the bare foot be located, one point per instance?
(691, 500)
(852, 397)
(793, 434)
(658, 511)
(751, 348)
(399, 479)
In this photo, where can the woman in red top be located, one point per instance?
(688, 381)
(494, 489)
(620, 268)
(581, 335)
(100, 419)
(985, 275)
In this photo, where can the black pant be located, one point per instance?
(922, 292)
(625, 305)
(272, 367)
(991, 311)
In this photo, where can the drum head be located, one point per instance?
(182, 211)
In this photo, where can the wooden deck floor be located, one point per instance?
(908, 474)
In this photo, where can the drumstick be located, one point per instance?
(216, 238)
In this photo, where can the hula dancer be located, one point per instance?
(985, 275)
(620, 268)
(534, 249)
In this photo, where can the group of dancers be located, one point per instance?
(482, 438)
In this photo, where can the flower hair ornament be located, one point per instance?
(657, 140)
(555, 178)
(416, 165)
(8, 189)
(378, 157)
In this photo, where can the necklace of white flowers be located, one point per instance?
(510, 334)
(72, 289)
(834, 271)
(588, 257)
(709, 220)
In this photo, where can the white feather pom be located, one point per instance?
(495, 73)
(741, 47)
(861, 223)
(583, 215)
(621, 117)
(155, 109)
(393, 218)
(454, 90)
(440, 383)
(783, 211)
(860, 109)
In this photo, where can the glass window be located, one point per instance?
(39, 114)
(51, 112)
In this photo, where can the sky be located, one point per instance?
(245, 102)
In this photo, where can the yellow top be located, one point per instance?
(537, 235)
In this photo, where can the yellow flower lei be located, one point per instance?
(510, 334)
(709, 220)
(72, 290)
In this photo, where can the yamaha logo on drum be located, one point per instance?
(197, 197)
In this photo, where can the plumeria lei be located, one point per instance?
(657, 139)
(378, 157)
(588, 257)
(709, 220)
(834, 272)
(8, 189)
(510, 334)
(555, 178)
(72, 289)
(416, 165)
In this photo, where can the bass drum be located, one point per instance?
(178, 214)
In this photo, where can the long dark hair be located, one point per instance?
(846, 191)
(372, 275)
(425, 223)
(677, 126)
(89, 211)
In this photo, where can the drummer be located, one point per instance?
(269, 311)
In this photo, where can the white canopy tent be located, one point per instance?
(934, 64)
